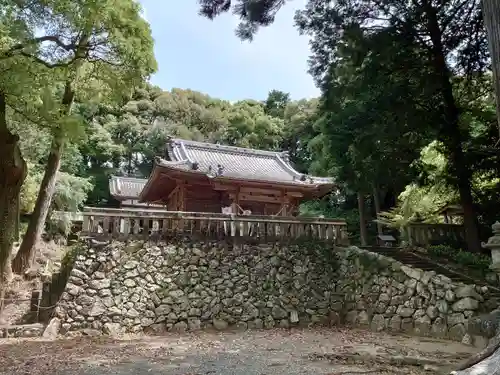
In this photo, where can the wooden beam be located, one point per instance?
(173, 192)
(295, 194)
(258, 198)
(259, 191)
(285, 205)
(182, 196)
(224, 187)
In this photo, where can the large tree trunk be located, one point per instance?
(13, 172)
(362, 219)
(376, 203)
(491, 14)
(26, 254)
(451, 134)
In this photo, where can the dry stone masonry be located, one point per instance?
(157, 287)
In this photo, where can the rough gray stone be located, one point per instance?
(278, 312)
(456, 318)
(405, 312)
(378, 323)
(432, 312)
(457, 332)
(466, 303)
(468, 291)
(99, 284)
(439, 328)
(52, 330)
(112, 329)
(184, 285)
(180, 327)
(219, 324)
(422, 326)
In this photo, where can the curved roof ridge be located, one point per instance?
(215, 146)
(163, 161)
(127, 178)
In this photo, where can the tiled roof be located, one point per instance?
(236, 162)
(122, 188)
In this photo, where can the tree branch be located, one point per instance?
(46, 38)
(46, 63)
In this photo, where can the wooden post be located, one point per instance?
(362, 219)
(376, 201)
(181, 202)
(235, 202)
(34, 308)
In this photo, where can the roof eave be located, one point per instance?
(281, 183)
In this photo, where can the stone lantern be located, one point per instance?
(494, 246)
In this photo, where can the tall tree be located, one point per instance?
(20, 83)
(451, 33)
(491, 12)
(108, 44)
(276, 103)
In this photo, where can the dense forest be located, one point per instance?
(406, 121)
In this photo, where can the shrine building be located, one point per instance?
(204, 177)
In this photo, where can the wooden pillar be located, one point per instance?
(376, 201)
(362, 219)
(235, 200)
(286, 205)
(182, 196)
(180, 202)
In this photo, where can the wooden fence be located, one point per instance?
(126, 223)
(423, 234)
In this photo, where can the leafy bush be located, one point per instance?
(454, 243)
(459, 256)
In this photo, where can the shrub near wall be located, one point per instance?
(191, 285)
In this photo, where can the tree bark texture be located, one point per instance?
(451, 134)
(13, 172)
(25, 256)
(376, 203)
(27, 251)
(491, 14)
(362, 219)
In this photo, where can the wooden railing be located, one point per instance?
(422, 234)
(125, 223)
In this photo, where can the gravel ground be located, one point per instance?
(277, 352)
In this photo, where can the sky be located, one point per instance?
(199, 54)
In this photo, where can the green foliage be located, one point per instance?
(70, 256)
(125, 139)
(394, 77)
(421, 201)
(456, 255)
(331, 207)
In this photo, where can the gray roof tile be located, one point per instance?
(237, 162)
(122, 188)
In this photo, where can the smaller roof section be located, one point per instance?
(125, 188)
(217, 160)
(451, 209)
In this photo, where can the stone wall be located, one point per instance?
(385, 294)
(188, 286)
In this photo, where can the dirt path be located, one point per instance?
(277, 352)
